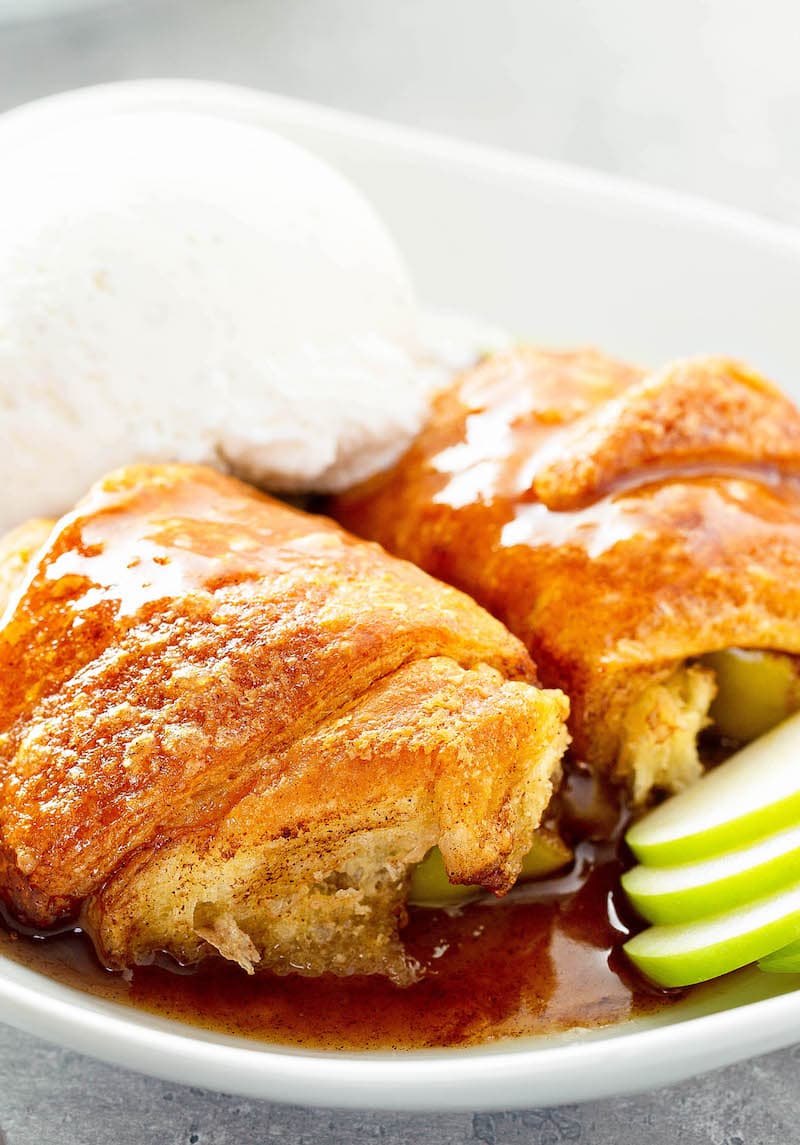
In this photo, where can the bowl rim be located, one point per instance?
(498, 1076)
(513, 1074)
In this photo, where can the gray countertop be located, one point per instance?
(48, 1094)
(703, 95)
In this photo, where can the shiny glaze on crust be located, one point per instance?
(174, 640)
(619, 523)
(227, 727)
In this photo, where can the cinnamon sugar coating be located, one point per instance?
(226, 725)
(621, 523)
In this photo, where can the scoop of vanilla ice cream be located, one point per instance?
(176, 286)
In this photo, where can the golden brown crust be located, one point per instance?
(618, 523)
(196, 676)
(432, 753)
(17, 550)
(698, 413)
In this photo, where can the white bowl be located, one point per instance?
(563, 256)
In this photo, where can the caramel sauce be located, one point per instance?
(546, 958)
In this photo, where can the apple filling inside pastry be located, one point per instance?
(738, 694)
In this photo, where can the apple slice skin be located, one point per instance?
(783, 961)
(643, 886)
(730, 806)
(683, 955)
(724, 837)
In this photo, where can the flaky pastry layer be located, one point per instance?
(621, 523)
(227, 726)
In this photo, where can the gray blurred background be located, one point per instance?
(700, 95)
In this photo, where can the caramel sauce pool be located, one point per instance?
(544, 959)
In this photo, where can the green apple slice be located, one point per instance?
(754, 793)
(783, 961)
(681, 955)
(756, 690)
(548, 855)
(690, 891)
(430, 886)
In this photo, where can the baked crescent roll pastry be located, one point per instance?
(17, 550)
(227, 726)
(622, 524)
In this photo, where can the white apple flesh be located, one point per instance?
(687, 953)
(753, 794)
(691, 891)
